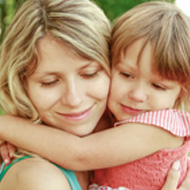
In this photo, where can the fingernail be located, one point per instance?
(6, 161)
(11, 155)
(176, 165)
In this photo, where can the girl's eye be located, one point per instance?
(49, 84)
(159, 87)
(126, 75)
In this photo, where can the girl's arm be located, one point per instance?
(107, 148)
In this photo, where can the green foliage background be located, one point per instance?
(114, 8)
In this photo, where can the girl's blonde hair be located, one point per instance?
(167, 28)
(78, 24)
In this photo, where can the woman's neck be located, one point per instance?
(83, 179)
(105, 122)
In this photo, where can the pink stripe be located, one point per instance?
(175, 121)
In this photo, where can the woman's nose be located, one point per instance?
(73, 95)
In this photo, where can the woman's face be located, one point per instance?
(70, 93)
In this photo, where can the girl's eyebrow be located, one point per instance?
(126, 65)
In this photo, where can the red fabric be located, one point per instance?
(149, 173)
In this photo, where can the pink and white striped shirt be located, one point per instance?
(175, 121)
(149, 173)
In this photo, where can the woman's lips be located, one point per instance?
(130, 111)
(77, 116)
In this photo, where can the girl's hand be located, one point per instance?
(186, 183)
(173, 177)
(6, 151)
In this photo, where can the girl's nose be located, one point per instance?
(138, 93)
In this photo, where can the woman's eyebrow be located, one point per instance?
(92, 63)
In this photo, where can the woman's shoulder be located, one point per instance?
(34, 173)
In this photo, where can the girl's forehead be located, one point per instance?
(137, 52)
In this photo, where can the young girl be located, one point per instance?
(150, 82)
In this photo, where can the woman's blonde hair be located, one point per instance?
(167, 28)
(78, 24)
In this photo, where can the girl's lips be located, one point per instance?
(130, 111)
(77, 116)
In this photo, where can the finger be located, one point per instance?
(186, 183)
(173, 177)
(11, 150)
(1, 142)
(5, 154)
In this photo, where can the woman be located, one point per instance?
(55, 70)
(59, 61)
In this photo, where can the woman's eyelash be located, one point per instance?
(50, 83)
(89, 75)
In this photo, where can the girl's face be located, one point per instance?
(135, 88)
(70, 93)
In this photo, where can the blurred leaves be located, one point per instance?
(114, 8)
(7, 11)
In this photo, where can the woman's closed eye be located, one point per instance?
(89, 75)
(49, 83)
